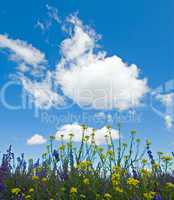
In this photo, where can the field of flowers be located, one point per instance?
(120, 171)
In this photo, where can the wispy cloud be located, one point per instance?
(32, 62)
(52, 16)
(22, 51)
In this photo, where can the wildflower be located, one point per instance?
(115, 179)
(119, 190)
(107, 196)
(35, 178)
(84, 165)
(73, 190)
(56, 155)
(86, 137)
(145, 172)
(71, 135)
(44, 180)
(84, 127)
(167, 158)
(155, 166)
(148, 142)
(31, 190)
(158, 197)
(28, 196)
(133, 182)
(144, 161)
(110, 152)
(82, 196)
(62, 147)
(170, 186)
(149, 195)
(86, 181)
(15, 191)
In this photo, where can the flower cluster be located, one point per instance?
(88, 171)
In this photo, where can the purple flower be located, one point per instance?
(56, 155)
(158, 197)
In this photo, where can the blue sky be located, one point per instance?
(140, 32)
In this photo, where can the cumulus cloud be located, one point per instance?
(77, 131)
(22, 51)
(85, 73)
(36, 140)
(93, 79)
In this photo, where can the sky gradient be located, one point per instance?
(139, 32)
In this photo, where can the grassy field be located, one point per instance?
(118, 171)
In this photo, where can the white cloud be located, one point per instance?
(77, 131)
(36, 140)
(42, 93)
(77, 45)
(92, 79)
(53, 13)
(52, 16)
(40, 25)
(85, 74)
(32, 62)
(21, 51)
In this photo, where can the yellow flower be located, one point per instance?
(119, 190)
(62, 147)
(144, 161)
(107, 196)
(167, 158)
(31, 190)
(145, 172)
(44, 180)
(86, 181)
(149, 195)
(110, 152)
(28, 197)
(84, 165)
(35, 178)
(16, 191)
(73, 190)
(133, 182)
(155, 166)
(115, 179)
(170, 185)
